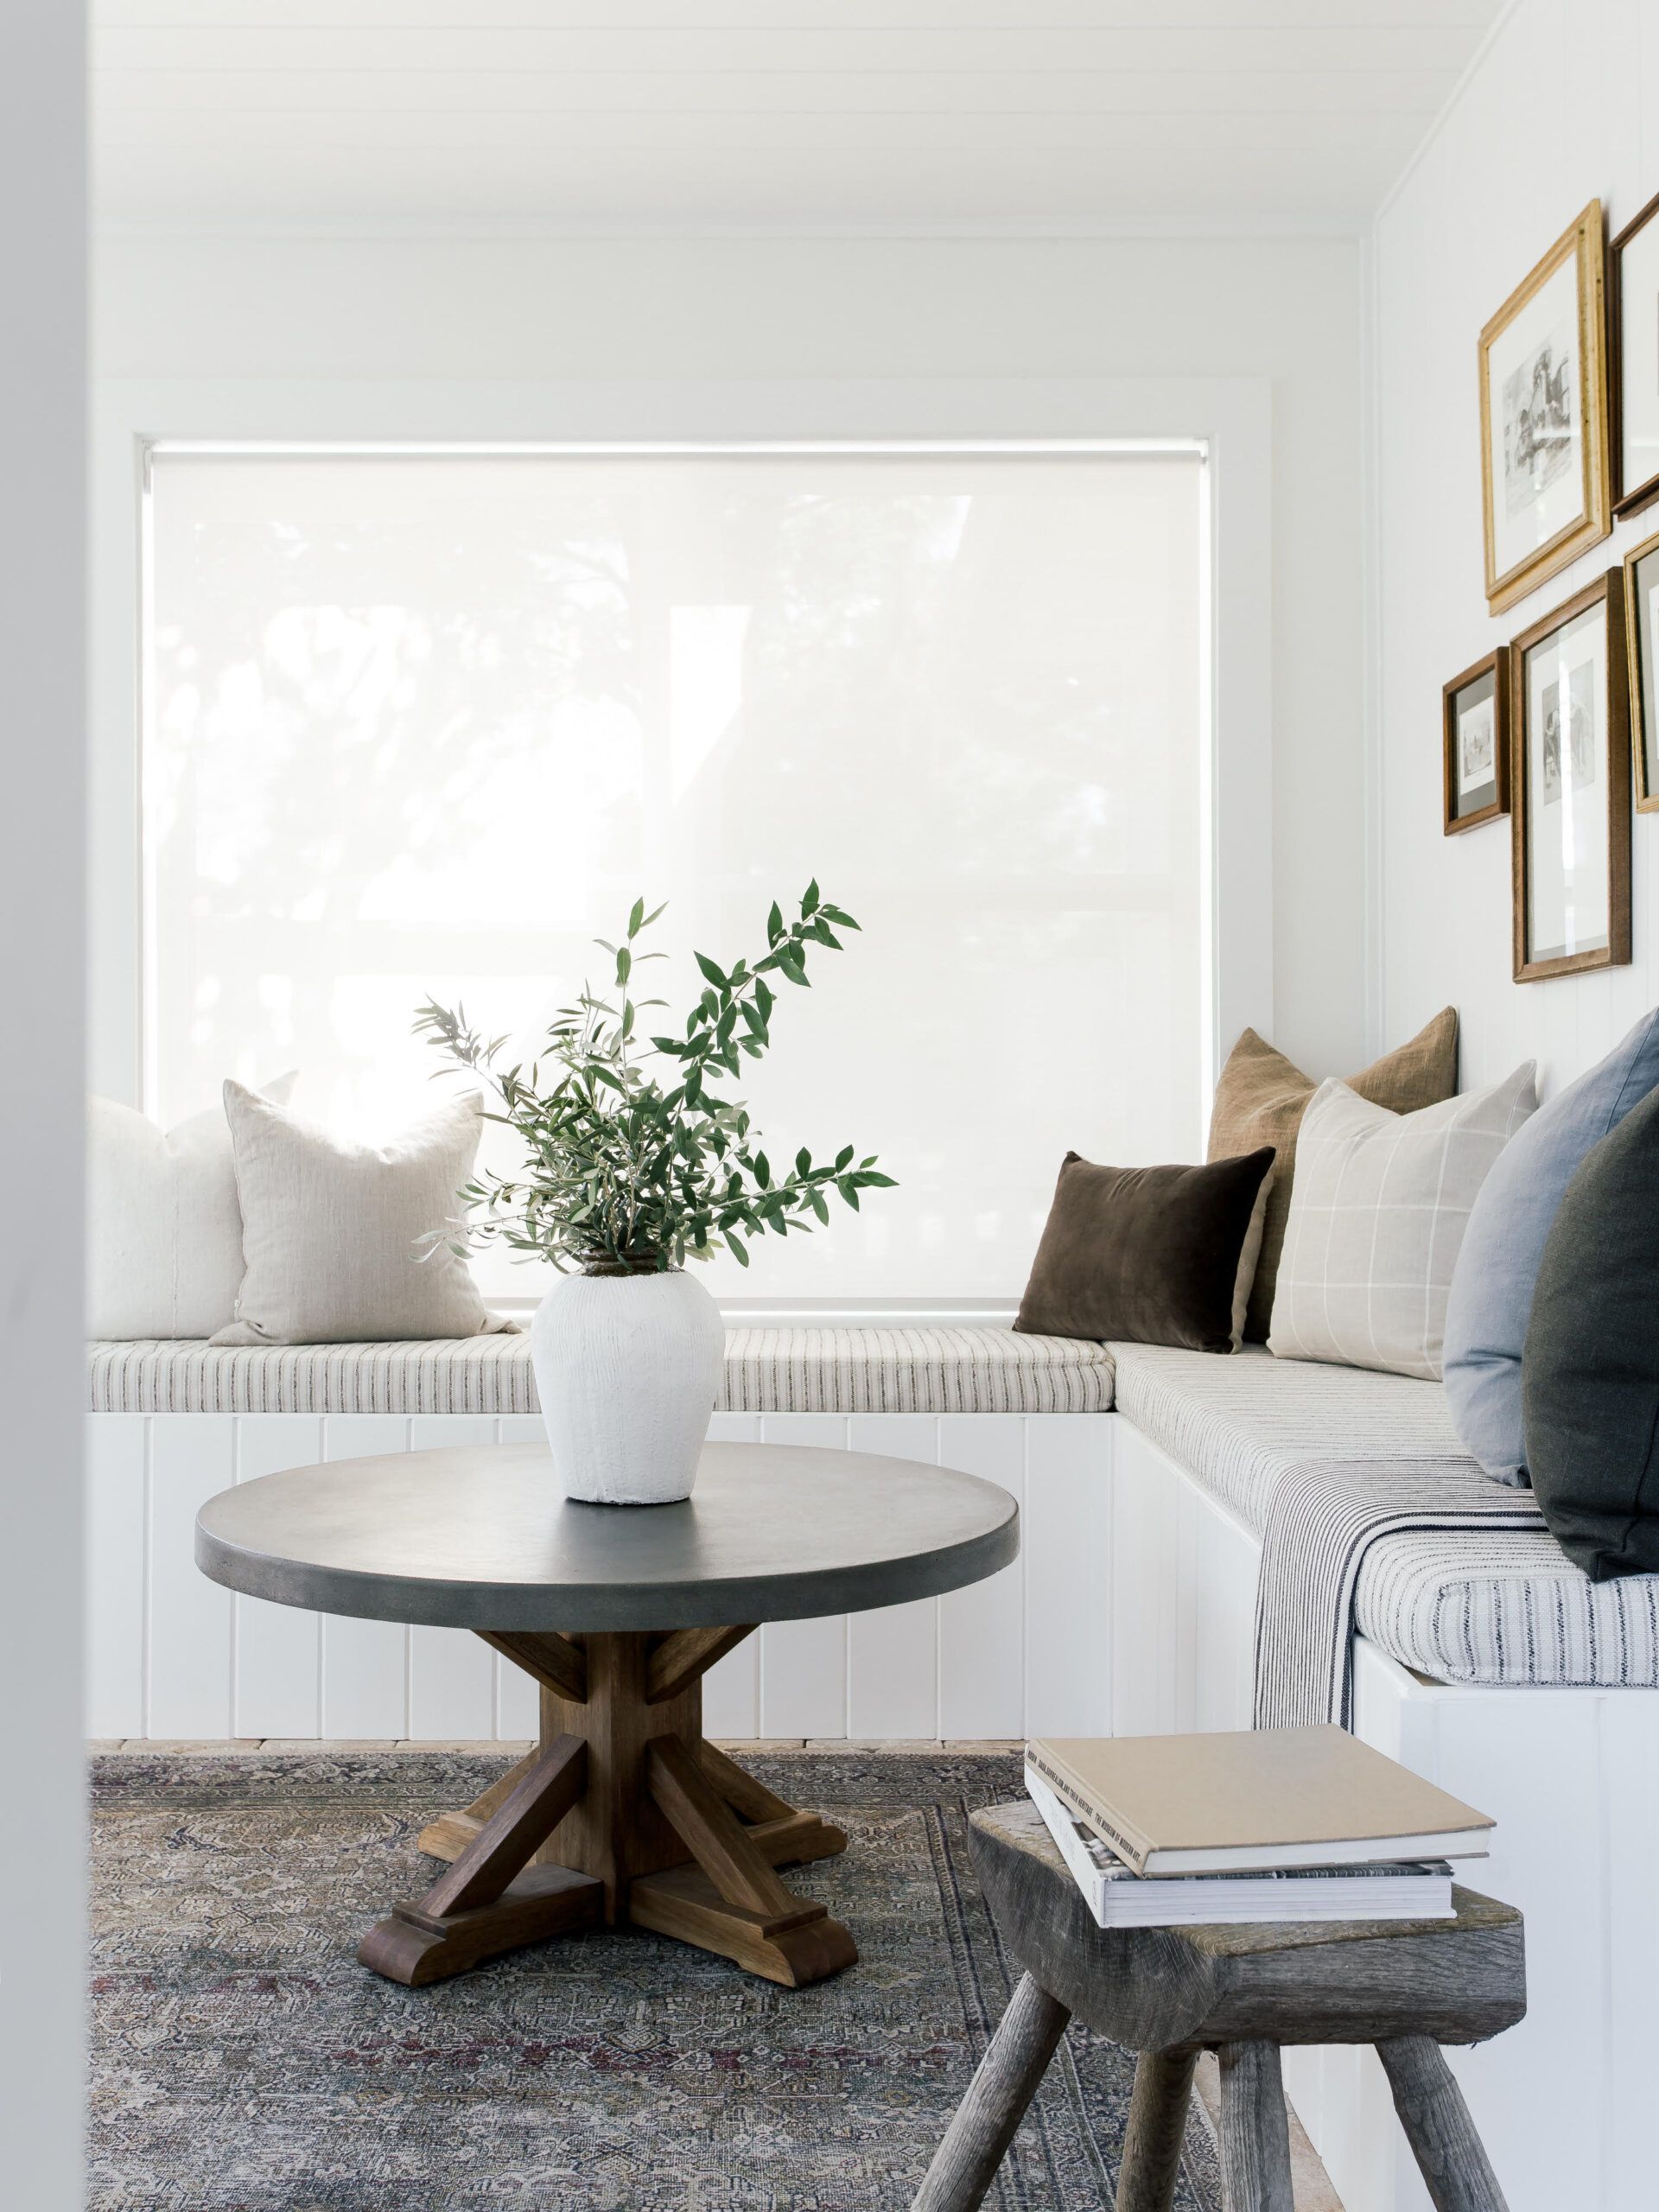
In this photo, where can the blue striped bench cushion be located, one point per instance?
(864, 1370)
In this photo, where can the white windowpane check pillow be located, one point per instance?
(164, 1233)
(1378, 1214)
(332, 1230)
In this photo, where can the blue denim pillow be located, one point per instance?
(1492, 1283)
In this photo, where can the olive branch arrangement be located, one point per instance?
(625, 1173)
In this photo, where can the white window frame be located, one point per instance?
(1228, 420)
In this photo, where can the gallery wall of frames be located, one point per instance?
(1558, 728)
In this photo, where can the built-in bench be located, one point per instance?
(1147, 1480)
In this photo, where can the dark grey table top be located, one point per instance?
(477, 1536)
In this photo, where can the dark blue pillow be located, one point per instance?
(1590, 1380)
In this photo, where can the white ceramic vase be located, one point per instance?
(627, 1369)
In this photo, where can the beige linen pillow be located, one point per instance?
(1260, 1099)
(1376, 1219)
(332, 1230)
(164, 1232)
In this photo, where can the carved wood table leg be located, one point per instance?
(1450, 2155)
(984, 2123)
(486, 1903)
(1254, 2130)
(1156, 2130)
(659, 1829)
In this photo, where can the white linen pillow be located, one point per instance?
(164, 1230)
(1378, 1214)
(332, 1230)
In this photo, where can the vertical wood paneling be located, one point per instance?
(518, 1701)
(893, 1653)
(803, 1663)
(115, 1519)
(982, 1629)
(191, 1458)
(278, 1650)
(452, 1686)
(731, 1688)
(365, 1663)
(1628, 1759)
(1068, 1557)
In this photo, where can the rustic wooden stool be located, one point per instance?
(1167, 1994)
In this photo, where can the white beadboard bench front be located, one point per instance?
(174, 1656)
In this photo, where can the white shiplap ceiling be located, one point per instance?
(852, 117)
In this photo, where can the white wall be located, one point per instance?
(1554, 117)
(43, 651)
(187, 314)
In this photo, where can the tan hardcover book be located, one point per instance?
(1254, 1800)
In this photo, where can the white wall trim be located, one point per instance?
(1472, 69)
(1231, 417)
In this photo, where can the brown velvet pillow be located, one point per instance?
(1149, 1255)
(1262, 1097)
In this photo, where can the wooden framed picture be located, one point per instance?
(1633, 360)
(1642, 633)
(1569, 683)
(1543, 417)
(1475, 743)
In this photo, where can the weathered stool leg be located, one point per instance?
(965, 2163)
(1450, 2155)
(1255, 2133)
(1152, 2139)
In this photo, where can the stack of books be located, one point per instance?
(1265, 1825)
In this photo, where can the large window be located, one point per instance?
(427, 723)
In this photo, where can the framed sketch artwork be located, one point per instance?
(1633, 348)
(1543, 417)
(1642, 632)
(1572, 787)
(1475, 736)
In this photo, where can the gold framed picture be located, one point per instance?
(1571, 787)
(1642, 633)
(1543, 417)
(1475, 743)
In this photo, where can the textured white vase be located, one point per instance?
(627, 1369)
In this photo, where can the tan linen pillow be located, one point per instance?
(163, 1235)
(1262, 1097)
(332, 1230)
(1377, 1223)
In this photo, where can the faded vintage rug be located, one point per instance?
(243, 2062)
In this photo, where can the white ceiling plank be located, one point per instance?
(162, 92)
(230, 142)
(622, 116)
(768, 14)
(299, 45)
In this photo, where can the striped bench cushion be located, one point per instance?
(870, 1371)
(1238, 1423)
(1456, 1604)
(1466, 1607)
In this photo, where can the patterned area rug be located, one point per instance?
(244, 2063)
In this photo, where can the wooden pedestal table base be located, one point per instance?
(622, 1815)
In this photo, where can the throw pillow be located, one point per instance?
(1262, 1097)
(1493, 1284)
(163, 1231)
(1375, 1221)
(1151, 1255)
(332, 1231)
(1590, 1376)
